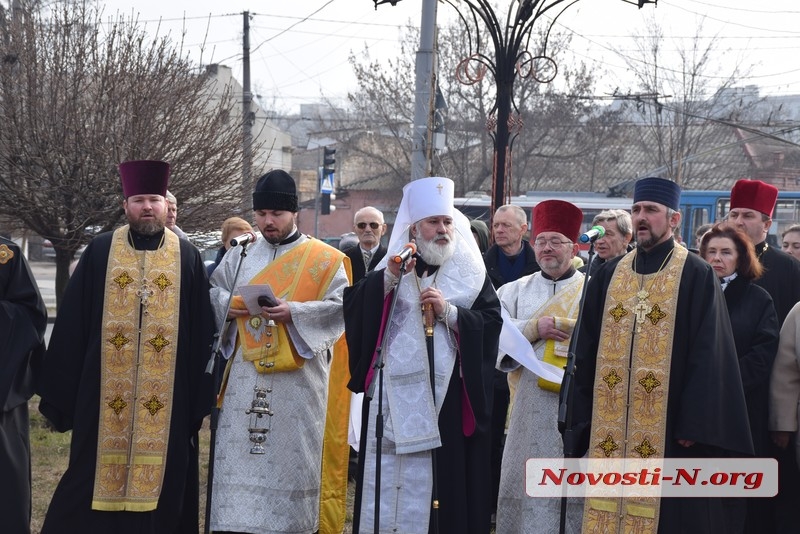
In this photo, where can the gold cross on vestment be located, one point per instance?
(618, 312)
(655, 314)
(440, 187)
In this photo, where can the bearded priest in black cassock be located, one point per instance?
(125, 371)
(451, 421)
(659, 312)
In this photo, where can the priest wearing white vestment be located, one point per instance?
(436, 440)
(544, 307)
(280, 366)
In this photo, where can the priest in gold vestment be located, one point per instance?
(657, 373)
(125, 371)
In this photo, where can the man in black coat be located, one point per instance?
(369, 227)
(752, 204)
(125, 371)
(510, 257)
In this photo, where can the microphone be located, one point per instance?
(593, 235)
(409, 249)
(244, 239)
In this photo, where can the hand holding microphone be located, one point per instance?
(593, 235)
(404, 258)
(245, 239)
(408, 250)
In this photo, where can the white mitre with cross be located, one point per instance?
(428, 197)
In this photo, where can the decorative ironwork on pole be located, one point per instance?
(511, 59)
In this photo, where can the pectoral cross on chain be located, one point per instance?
(144, 293)
(641, 309)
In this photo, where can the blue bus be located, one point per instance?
(697, 208)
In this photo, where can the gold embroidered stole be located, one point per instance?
(303, 274)
(335, 449)
(629, 413)
(139, 341)
(563, 307)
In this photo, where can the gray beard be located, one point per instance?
(434, 253)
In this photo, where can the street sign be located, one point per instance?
(326, 186)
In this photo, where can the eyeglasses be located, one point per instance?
(554, 242)
(372, 225)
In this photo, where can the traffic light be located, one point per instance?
(325, 204)
(328, 160)
(326, 179)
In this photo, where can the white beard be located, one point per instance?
(436, 251)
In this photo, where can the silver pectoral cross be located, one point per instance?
(144, 293)
(641, 309)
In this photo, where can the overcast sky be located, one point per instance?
(299, 48)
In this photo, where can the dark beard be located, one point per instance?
(652, 240)
(147, 227)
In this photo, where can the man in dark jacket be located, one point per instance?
(508, 259)
(369, 227)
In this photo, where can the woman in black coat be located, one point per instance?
(756, 334)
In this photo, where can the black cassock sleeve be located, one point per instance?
(23, 319)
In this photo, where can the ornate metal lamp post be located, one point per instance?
(511, 59)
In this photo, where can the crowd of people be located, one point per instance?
(434, 354)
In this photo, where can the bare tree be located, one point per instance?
(550, 116)
(78, 95)
(680, 90)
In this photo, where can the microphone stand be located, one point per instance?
(213, 369)
(567, 388)
(429, 320)
(368, 396)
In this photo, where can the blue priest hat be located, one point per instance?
(660, 190)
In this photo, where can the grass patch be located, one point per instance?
(50, 457)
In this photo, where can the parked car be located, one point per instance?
(49, 252)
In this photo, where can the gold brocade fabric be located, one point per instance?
(139, 341)
(563, 307)
(630, 409)
(303, 274)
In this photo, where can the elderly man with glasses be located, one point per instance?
(369, 227)
(544, 307)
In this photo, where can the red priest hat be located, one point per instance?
(557, 216)
(754, 195)
(144, 177)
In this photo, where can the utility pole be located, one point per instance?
(247, 121)
(421, 149)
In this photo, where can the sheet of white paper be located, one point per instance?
(250, 294)
(513, 343)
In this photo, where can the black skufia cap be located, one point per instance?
(275, 190)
